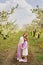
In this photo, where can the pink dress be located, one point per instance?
(19, 51)
(20, 47)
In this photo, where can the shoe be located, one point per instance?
(24, 60)
(21, 60)
(17, 58)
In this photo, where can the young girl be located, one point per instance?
(19, 49)
(25, 50)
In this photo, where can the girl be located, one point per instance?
(25, 50)
(19, 49)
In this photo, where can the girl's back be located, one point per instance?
(19, 47)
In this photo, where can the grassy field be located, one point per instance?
(8, 49)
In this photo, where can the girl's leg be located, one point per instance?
(25, 58)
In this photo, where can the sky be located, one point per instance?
(35, 2)
(32, 2)
(23, 15)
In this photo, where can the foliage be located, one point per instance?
(39, 13)
(5, 26)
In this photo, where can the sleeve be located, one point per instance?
(21, 40)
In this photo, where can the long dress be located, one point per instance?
(19, 47)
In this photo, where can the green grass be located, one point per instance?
(33, 40)
(37, 46)
(39, 57)
(9, 42)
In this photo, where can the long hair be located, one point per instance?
(26, 39)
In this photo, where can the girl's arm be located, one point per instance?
(25, 45)
(21, 46)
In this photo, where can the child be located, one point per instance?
(25, 50)
(19, 49)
